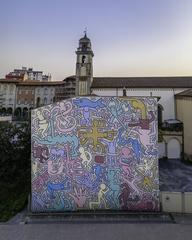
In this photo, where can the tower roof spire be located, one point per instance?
(85, 32)
(85, 38)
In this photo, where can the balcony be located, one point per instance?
(172, 125)
(170, 128)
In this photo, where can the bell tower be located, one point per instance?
(84, 67)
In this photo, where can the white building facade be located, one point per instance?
(164, 89)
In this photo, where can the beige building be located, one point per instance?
(183, 103)
(18, 97)
(66, 89)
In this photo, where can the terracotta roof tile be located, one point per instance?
(31, 82)
(4, 80)
(38, 83)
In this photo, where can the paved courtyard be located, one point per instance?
(95, 231)
(175, 176)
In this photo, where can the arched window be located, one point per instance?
(84, 47)
(83, 59)
(124, 92)
(25, 113)
(174, 149)
(45, 101)
(45, 91)
(10, 111)
(38, 102)
(17, 112)
(3, 110)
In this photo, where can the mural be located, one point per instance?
(95, 153)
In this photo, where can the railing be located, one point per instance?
(173, 127)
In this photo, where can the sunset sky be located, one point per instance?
(129, 37)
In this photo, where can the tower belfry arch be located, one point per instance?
(84, 66)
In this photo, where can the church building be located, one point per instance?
(19, 96)
(171, 140)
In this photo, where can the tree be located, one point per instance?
(15, 151)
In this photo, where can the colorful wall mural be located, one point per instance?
(95, 153)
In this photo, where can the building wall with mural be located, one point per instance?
(95, 153)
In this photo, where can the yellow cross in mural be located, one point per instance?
(94, 135)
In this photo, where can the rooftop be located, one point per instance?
(172, 121)
(40, 83)
(10, 80)
(186, 93)
(31, 82)
(142, 82)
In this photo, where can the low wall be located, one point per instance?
(5, 118)
(176, 202)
